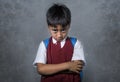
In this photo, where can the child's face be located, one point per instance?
(58, 33)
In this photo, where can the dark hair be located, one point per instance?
(58, 14)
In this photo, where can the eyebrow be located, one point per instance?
(57, 29)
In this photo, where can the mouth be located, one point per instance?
(59, 39)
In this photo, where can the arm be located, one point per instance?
(78, 53)
(48, 69)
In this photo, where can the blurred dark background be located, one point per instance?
(23, 25)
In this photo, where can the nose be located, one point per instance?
(59, 34)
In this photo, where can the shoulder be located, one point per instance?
(73, 38)
(75, 41)
(42, 44)
(46, 42)
(79, 44)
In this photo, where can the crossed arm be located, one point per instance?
(48, 69)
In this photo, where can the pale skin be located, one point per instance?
(59, 34)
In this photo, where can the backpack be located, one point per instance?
(73, 41)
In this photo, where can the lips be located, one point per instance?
(59, 39)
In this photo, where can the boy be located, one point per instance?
(59, 60)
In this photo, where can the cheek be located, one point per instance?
(64, 35)
(53, 35)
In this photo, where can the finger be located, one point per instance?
(77, 72)
(77, 61)
(80, 63)
(79, 68)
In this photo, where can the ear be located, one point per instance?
(49, 27)
(68, 27)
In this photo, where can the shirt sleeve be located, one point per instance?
(41, 54)
(78, 53)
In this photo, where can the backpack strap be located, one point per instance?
(81, 74)
(46, 42)
(73, 40)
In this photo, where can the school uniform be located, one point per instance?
(58, 53)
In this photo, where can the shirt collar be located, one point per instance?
(54, 41)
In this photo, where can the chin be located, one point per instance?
(60, 40)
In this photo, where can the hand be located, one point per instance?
(75, 66)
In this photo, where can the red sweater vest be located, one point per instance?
(57, 55)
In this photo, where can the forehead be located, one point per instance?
(58, 27)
